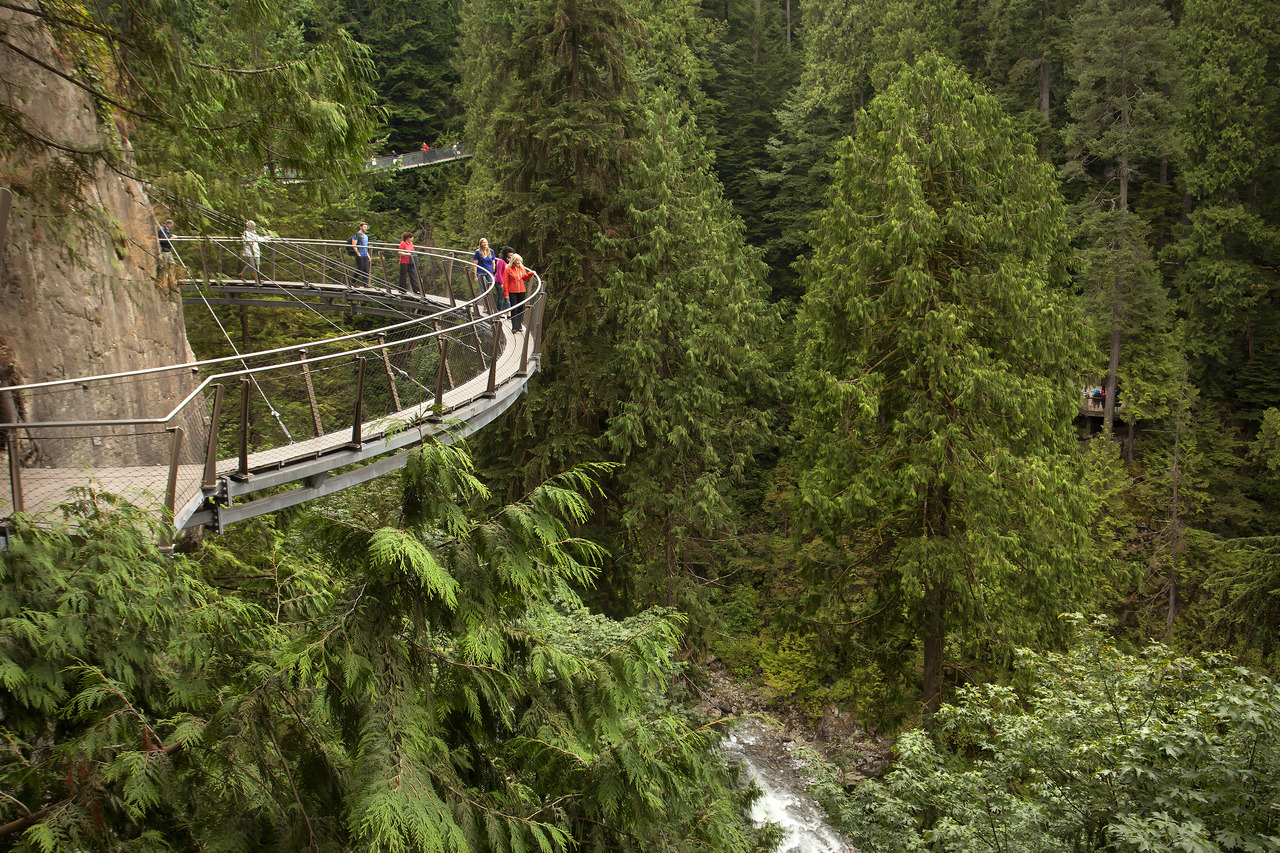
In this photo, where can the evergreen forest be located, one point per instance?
(913, 363)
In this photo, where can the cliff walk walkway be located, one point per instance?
(225, 439)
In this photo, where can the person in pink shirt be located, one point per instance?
(500, 277)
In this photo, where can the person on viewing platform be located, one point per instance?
(252, 251)
(426, 147)
(408, 264)
(484, 261)
(164, 235)
(500, 279)
(166, 272)
(517, 275)
(360, 248)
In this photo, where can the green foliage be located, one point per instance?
(431, 684)
(1103, 751)
(690, 321)
(1224, 256)
(755, 66)
(936, 354)
(112, 658)
(1121, 63)
(412, 46)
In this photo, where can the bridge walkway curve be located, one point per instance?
(257, 432)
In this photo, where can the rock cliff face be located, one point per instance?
(80, 291)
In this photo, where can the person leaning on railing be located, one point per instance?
(484, 261)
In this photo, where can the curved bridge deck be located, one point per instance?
(258, 432)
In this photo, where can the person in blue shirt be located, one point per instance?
(360, 245)
(484, 264)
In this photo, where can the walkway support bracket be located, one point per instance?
(391, 377)
(171, 487)
(492, 390)
(437, 408)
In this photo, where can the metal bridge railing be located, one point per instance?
(205, 430)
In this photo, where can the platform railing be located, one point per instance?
(239, 415)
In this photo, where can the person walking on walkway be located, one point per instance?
(517, 275)
(409, 265)
(164, 235)
(252, 252)
(360, 246)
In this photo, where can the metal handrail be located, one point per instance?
(253, 371)
(195, 365)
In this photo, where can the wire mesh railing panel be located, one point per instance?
(158, 458)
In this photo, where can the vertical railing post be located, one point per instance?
(391, 377)
(175, 456)
(210, 478)
(311, 394)
(15, 471)
(492, 390)
(437, 409)
(243, 470)
(357, 419)
(537, 322)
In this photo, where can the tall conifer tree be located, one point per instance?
(692, 327)
(1122, 64)
(937, 371)
(1229, 249)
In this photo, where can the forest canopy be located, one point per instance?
(878, 336)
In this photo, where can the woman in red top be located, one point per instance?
(517, 275)
(408, 266)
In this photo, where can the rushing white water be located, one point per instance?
(784, 801)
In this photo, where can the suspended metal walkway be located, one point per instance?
(262, 431)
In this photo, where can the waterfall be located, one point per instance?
(784, 800)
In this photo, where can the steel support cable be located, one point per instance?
(231, 223)
(252, 377)
(364, 291)
(367, 293)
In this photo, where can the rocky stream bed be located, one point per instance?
(769, 746)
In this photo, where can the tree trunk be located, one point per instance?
(1044, 88)
(670, 549)
(1175, 544)
(1113, 365)
(934, 640)
(788, 23)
